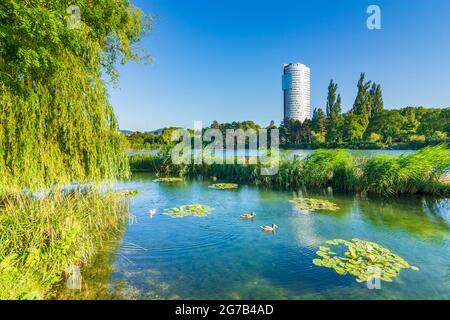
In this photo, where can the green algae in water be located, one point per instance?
(310, 204)
(129, 193)
(363, 259)
(169, 179)
(224, 186)
(196, 210)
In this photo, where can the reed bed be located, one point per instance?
(40, 238)
(423, 171)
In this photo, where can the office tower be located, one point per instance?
(296, 88)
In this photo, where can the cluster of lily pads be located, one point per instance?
(309, 204)
(196, 210)
(168, 179)
(363, 259)
(128, 193)
(224, 186)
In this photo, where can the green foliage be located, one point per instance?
(144, 141)
(376, 98)
(363, 259)
(354, 126)
(41, 237)
(421, 172)
(387, 123)
(56, 124)
(168, 179)
(363, 101)
(224, 186)
(333, 108)
(329, 168)
(319, 121)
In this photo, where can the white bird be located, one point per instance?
(152, 212)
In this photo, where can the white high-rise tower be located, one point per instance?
(296, 88)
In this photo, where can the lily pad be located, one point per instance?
(224, 186)
(310, 204)
(362, 259)
(196, 210)
(129, 193)
(169, 179)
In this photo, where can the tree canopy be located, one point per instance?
(56, 123)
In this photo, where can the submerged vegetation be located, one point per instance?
(309, 204)
(41, 238)
(224, 186)
(168, 179)
(196, 210)
(421, 172)
(363, 259)
(129, 193)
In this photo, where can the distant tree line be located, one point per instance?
(367, 123)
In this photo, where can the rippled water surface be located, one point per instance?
(223, 257)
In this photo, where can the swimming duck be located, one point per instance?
(269, 228)
(248, 215)
(152, 212)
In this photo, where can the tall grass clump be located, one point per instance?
(41, 237)
(419, 172)
(336, 168)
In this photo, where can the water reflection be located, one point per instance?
(420, 216)
(222, 256)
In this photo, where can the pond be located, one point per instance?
(221, 256)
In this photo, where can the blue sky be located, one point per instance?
(222, 59)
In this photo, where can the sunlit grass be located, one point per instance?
(41, 237)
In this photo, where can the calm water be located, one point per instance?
(223, 257)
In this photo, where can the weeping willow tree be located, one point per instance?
(56, 123)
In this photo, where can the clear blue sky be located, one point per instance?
(222, 59)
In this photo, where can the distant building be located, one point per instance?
(296, 88)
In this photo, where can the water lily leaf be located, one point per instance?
(362, 259)
(318, 262)
(224, 186)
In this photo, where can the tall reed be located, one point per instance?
(41, 237)
(421, 172)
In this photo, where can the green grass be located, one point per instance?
(421, 172)
(41, 238)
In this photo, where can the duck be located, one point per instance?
(152, 212)
(269, 228)
(248, 215)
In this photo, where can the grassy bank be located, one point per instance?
(40, 238)
(421, 172)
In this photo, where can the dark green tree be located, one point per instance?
(333, 107)
(363, 100)
(376, 99)
(319, 121)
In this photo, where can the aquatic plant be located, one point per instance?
(168, 179)
(40, 238)
(196, 210)
(128, 193)
(309, 204)
(421, 172)
(363, 259)
(56, 123)
(224, 186)
(336, 168)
